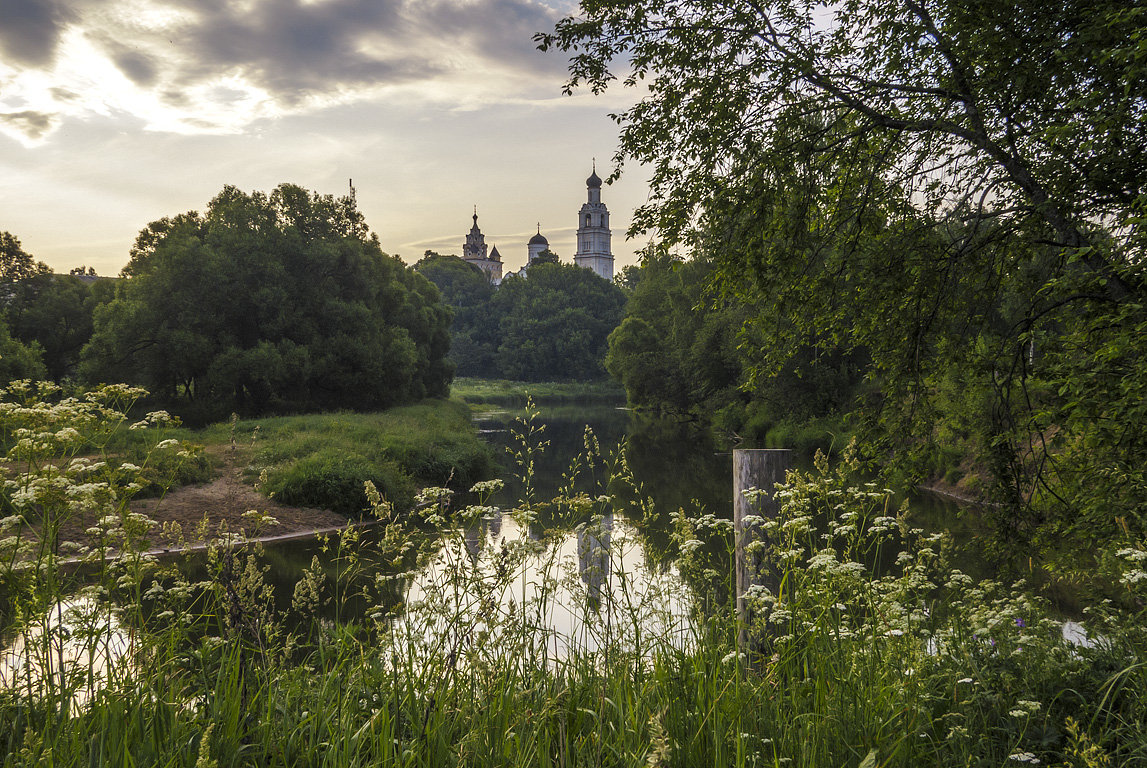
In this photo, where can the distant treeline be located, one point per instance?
(285, 303)
(553, 325)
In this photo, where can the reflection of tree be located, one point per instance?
(494, 525)
(679, 465)
(479, 532)
(593, 556)
(475, 538)
(565, 431)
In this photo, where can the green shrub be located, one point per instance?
(333, 480)
(827, 434)
(509, 392)
(321, 460)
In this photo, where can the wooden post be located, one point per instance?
(760, 469)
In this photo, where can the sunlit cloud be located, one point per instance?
(215, 66)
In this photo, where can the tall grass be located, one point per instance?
(872, 651)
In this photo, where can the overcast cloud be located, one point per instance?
(114, 113)
(218, 65)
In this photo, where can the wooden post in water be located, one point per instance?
(760, 469)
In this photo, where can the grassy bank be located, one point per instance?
(311, 463)
(322, 460)
(506, 392)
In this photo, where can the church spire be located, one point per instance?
(474, 252)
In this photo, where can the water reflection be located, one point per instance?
(69, 652)
(580, 589)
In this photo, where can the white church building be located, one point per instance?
(594, 250)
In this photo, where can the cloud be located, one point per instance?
(30, 30)
(219, 65)
(28, 123)
(137, 66)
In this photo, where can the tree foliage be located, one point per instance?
(555, 322)
(953, 186)
(55, 312)
(271, 302)
(474, 331)
(18, 359)
(679, 349)
(550, 323)
(16, 263)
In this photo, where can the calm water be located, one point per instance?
(583, 580)
(677, 463)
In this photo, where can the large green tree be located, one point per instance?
(280, 301)
(467, 290)
(679, 349)
(939, 182)
(55, 312)
(16, 263)
(18, 359)
(554, 323)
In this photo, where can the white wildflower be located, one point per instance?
(690, 546)
(1024, 757)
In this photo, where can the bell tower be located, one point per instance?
(474, 252)
(593, 237)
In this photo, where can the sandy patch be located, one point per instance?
(223, 501)
(220, 502)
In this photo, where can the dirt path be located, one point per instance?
(223, 501)
(220, 502)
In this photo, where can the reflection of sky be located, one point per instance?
(78, 644)
(114, 113)
(580, 589)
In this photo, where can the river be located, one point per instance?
(677, 463)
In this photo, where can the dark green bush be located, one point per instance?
(333, 480)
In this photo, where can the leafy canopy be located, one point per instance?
(271, 302)
(945, 185)
(554, 323)
(467, 291)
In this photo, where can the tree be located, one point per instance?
(55, 312)
(678, 350)
(271, 302)
(554, 323)
(467, 290)
(1023, 112)
(546, 257)
(17, 360)
(938, 182)
(16, 263)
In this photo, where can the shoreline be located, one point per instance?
(960, 498)
(234, 541)
(294, 535)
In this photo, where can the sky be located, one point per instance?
(115, 113)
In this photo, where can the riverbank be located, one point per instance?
(306, 472)
(508, 392)
(922, 667)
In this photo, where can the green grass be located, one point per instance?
(322, 460)
(505, 392)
